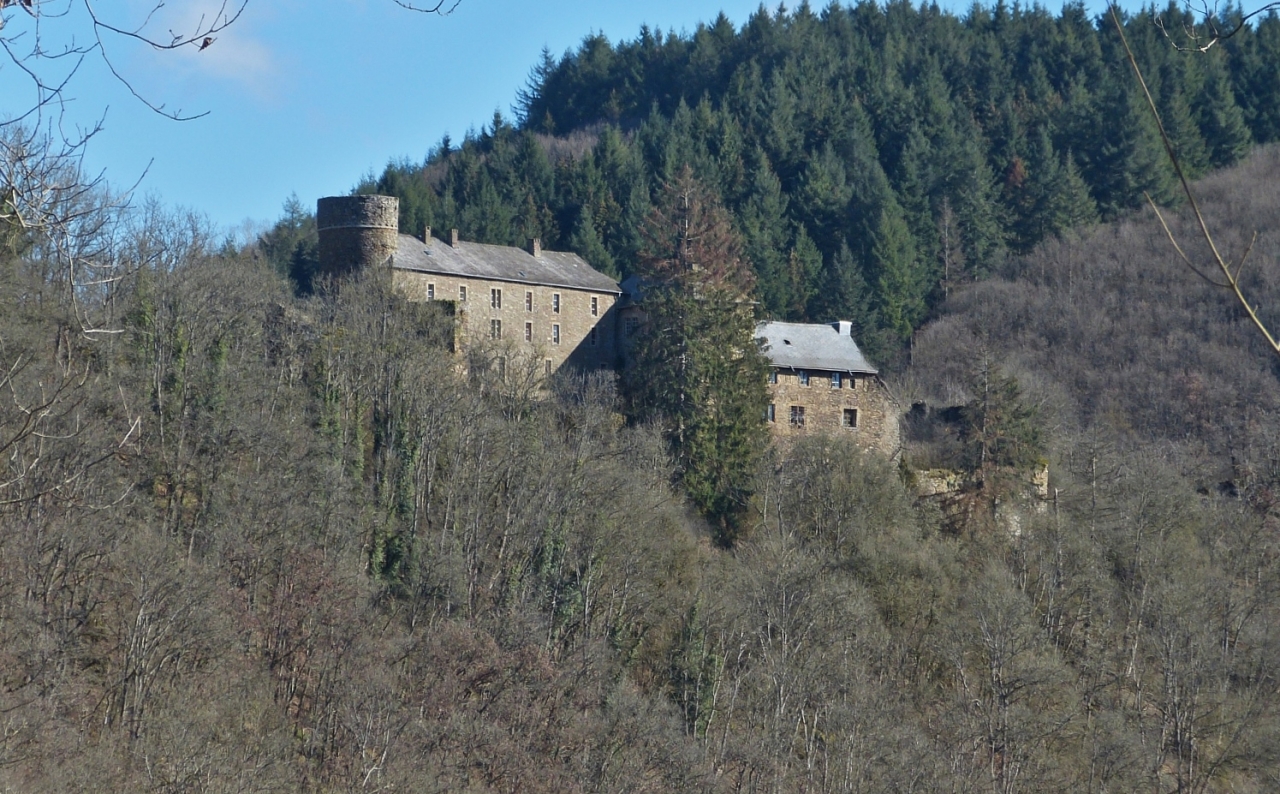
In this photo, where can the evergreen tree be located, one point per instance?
(804, 269)
(764, 232)
(697, 367)
(1221, 120)
(900, 280)
(587, 244)
(1002, 435)
(1130, 159)
(1180, 126)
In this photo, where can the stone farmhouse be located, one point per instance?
(552, 310)
(820, 382)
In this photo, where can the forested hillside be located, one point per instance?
(874, 157)
(257, 542)
(1118, 338)
(252, 540)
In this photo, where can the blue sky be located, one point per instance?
(307, 97)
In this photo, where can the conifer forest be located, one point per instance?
(259, 533)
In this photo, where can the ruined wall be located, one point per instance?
(824, 409)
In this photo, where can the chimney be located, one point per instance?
(844, 327)
(453, 238)
(426, 235)
(535, 246)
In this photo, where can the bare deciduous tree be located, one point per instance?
(1221, 271)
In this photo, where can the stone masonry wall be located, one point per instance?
(356, 231)
(824, 407)
(523, 304)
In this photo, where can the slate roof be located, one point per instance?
(813, 346)
(500, 263)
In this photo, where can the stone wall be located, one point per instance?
(875, 423)
(356, 231)
(521, 304)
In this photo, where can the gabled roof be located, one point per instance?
(500, 263)
(827, 347)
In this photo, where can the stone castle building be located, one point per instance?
(819, 382)
(550, 310)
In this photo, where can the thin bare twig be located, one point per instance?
(1198, 41)
(438, 8)
(1231, 279)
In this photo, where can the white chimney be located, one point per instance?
(453, 238)
(844, 327)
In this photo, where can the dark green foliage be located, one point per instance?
(808, 125)
(1002, 434)
(290, 246)
(697, 369)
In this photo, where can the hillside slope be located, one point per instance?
(1122, 340)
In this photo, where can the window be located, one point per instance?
(548, 367)
(804, 377)
(528, 332)
(462, 293)
(495, 329)
(630, 326)
(555, 302)
(836, 380)
(592, 336)
(528, 301)
(431, 292)
(773, 376)
(555, 333)
(595, 307)
(502, 367)
(495, 298)
(769, 414)
(797, 415)
(850, 418)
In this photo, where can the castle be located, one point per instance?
(551, 310)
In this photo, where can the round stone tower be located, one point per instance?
(356, 231)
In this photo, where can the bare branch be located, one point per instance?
(438, 8)
(1232, 282)
(1195, 40)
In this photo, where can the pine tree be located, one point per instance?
(587, 244)
(1002, 433)
(764, 232)
(698, 368)
(1221, 120)
(900, 280)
